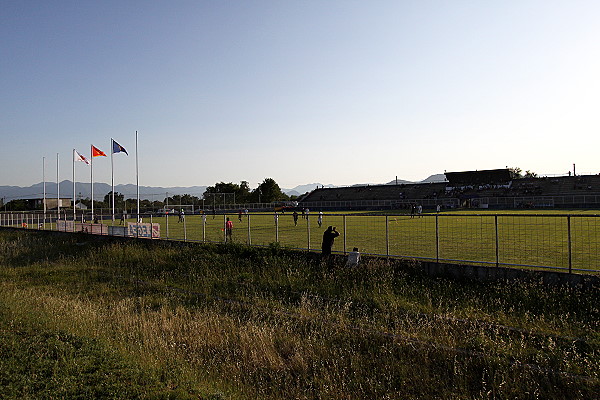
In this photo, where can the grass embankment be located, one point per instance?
(83, 317)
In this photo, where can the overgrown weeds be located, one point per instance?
(238, 322)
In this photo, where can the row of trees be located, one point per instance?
(221, 193)
(267, 192)
(517, 173)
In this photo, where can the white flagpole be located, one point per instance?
(57, 191)
(44, 179)
(74, 213)
(112, 177)
(92, 177)
(137, 176)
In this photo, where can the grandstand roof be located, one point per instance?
(479, 177)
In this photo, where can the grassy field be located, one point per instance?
(82, 318)
(516, 237)
(523, 239)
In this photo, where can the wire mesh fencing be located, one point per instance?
(557, 241)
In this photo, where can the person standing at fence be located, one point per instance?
(420, 210)
(320, 219)
(240, 216)
(295, 216)
(181, 216)
(122, 221)
(328, 238)
(228, 230)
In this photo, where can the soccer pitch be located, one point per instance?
(548, 238)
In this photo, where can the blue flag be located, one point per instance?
(117, 148)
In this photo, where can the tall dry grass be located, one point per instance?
(250, 323)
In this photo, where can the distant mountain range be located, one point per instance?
(152, 192)
(83, 190)
(431, 179)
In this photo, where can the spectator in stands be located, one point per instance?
(328, 238)
(353, 258)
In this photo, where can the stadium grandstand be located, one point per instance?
(496, 189)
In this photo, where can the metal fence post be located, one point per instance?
(387, 236)
(276, 227)
(184, 230)
(167, 218)
(308, 233)
(249, 235)
(344, 219)
(497, 241)
(437, 239)
(569, 242)
(225, 228)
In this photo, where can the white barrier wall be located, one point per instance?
(143, 230)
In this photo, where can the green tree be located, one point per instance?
(269, 191)
(530, 174)
(222, 193)
(17, 205)
(188, 199)
(119, 198)
(243, 195)
(516, 172)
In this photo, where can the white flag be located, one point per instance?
(79, 157)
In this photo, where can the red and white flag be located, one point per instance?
(82, 158)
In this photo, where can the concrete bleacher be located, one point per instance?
(568, 190)
(376, 192)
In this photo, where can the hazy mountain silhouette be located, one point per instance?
(83, 189)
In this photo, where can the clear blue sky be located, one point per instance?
(337, 92)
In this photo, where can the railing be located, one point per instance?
(564, 201)
(551, 241)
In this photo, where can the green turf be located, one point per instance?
(524, 237)
(521, 238)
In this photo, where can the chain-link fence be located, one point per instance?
(557, 241)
